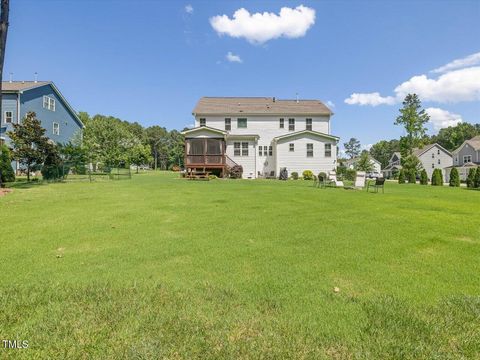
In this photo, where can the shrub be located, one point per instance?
(307, 175)
(8, 175)
(401, 177)
(476, 181)
(176, 168)
(412, 177)
(52, 168)
(210, 177)
(437, 177)
(236, 172)
(423, 177)
(350, 174)
(454, 178)
(471, 177)
(294, 175)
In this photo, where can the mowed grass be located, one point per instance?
(159, 267)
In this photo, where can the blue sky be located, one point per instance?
(150, 61)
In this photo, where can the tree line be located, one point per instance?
(413, 118)
(105, 140)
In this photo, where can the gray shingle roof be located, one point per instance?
(259, 106)
(474, 142)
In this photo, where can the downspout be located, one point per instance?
(18, 122)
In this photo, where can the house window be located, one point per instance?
(203, 122)
(291, 124)
(56, 128)
(308, 124)
(309, 150)
(265, 150)
(270, 151)
(433, 156)
(433, 166)
(228, 124)
(8, 117)
(467, 158)
(282, 123)
(328, 150)
(291, 147)
(438, 152)
(260, 152)
(244, 148)
(48, 103)
(242, 123)
(236, 149)
(438, 161)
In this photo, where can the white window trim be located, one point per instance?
(330, 150)
(469, 157)
(49, 103)
(5, 117)
(57, 126)
(308, 151)
(291, 147)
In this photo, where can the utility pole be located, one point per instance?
(4, 8)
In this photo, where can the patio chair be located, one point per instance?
(332, 179)
(379, 183)
(360, 179)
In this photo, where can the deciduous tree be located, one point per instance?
(29, 142)
(413, 118)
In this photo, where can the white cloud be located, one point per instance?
(451, 87)
(454, 86)
(330, 104)
(189, 9)
(233, 58)
(442, 118)
(470, 60)
(366, 147)
(372, 99)
(259, 28)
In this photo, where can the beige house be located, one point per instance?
(376, 165)
(262, 134)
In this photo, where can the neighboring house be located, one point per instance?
(393, 166)
(55, 113)
(432, 156)
(352, 164)
(262, 134)
(465, 157)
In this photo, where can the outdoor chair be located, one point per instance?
(379, 183)
(332, 179)
(360, 179)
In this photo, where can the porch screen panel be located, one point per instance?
(195, 151)
(196, 147)
(214, 151)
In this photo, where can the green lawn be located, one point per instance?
(160, 267)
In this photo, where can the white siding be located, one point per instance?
(298, 160)
(431, 157)
(247, 162)
(267, 127)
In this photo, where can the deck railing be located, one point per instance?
(207, 159)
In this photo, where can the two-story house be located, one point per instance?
(432, 156)
(466, 156)
(54, 112)
(262, 134)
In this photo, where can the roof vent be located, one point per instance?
(36, 77)
(23, 81)
(297, 97)
(11, 77)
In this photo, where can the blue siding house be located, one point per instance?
(56, 115)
